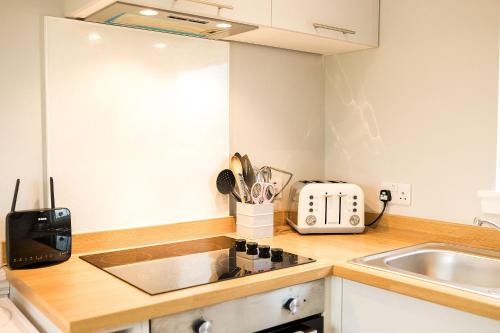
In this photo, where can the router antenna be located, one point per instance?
(14, 200)
(52, 200)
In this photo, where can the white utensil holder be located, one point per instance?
(254, 221)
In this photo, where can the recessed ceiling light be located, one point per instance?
(94, 36)
(160, 45)
(223, 25)
(148, 12)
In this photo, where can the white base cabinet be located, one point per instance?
(366, 309)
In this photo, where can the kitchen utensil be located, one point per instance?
(262, 193)
(226, 183)
(248, 171)
(258, 176)
(265, 175)
(237, 170)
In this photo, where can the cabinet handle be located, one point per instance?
(329, 27)
(213, 4)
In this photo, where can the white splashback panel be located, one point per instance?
(137, 124)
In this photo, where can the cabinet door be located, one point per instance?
(256, 12)
(348, 20)
(366, 309)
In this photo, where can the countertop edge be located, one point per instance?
(214, 294)
(447, 296)
(30, 296)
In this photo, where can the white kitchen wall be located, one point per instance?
(277, 112)
(430, 86)
(277, 91)
(421, 109)
(137, 124)
(21, 26)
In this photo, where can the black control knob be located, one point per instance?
(276, 255)
(264, 251)
(240, 245)
(292, 305)
(252, 248)
(203, 326)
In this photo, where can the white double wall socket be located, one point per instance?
(400, 193)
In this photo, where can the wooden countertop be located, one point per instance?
(79, 297)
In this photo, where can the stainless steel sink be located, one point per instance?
(458, 266)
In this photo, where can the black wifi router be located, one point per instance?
(39, 237)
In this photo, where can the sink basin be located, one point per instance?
(462, 267)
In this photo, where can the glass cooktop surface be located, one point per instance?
(166, 267)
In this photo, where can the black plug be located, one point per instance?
(385, 196)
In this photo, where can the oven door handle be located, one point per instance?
(311, 326)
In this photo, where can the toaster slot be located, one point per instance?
(332, 204)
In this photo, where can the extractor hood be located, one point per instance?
(162, 20)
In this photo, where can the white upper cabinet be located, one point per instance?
(257, 12)
(319, 26)
(355, 21)
(316, 26)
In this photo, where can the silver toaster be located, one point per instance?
(326, 207)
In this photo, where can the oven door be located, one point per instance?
(307, 325)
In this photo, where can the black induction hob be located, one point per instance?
(162, 268)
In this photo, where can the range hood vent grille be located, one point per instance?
(187, 19)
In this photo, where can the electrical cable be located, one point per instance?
(378, 217)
